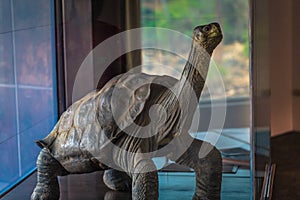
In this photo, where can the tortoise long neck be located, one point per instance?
(195, 70)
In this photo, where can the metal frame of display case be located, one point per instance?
(260, 94)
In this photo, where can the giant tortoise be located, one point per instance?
(132, 119)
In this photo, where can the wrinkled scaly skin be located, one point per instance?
(79, 141)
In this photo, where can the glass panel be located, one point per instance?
(261, 89)
(35, 105)
(31, 13)
(231, 56)
(9, 168)
(34, 56)
(29, 150)
(5, 20)
(27, 85)
(231, 59)
(6, 59)
(8, 125)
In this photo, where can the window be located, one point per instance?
(27, 84)
(232, 55)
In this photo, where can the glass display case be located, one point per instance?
(244, 139)
(239, 73)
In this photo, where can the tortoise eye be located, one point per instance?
(206, 28)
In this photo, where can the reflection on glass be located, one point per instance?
(31, 13)
(5, 22)
(232, 60)
(33, 57)
(7, 113)
(35, 106)
(28, 150)
(9, 168)
(231, 56)
(6, 59)
(27, 89)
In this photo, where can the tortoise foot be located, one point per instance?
(47, 187)
(42, 192)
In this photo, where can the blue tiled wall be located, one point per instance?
(27, 84)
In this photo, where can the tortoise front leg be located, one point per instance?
(145, 181)
(48, 169)
(208, 170)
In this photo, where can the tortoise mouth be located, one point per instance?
(218, 37)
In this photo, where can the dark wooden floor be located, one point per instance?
(286, 155)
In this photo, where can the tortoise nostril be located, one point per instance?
(198, 32)
(197, 35)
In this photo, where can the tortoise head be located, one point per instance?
(208, 36)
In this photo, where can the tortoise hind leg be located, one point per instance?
(208, 169)
(145, 181)
(117, 180)
(48, 169)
